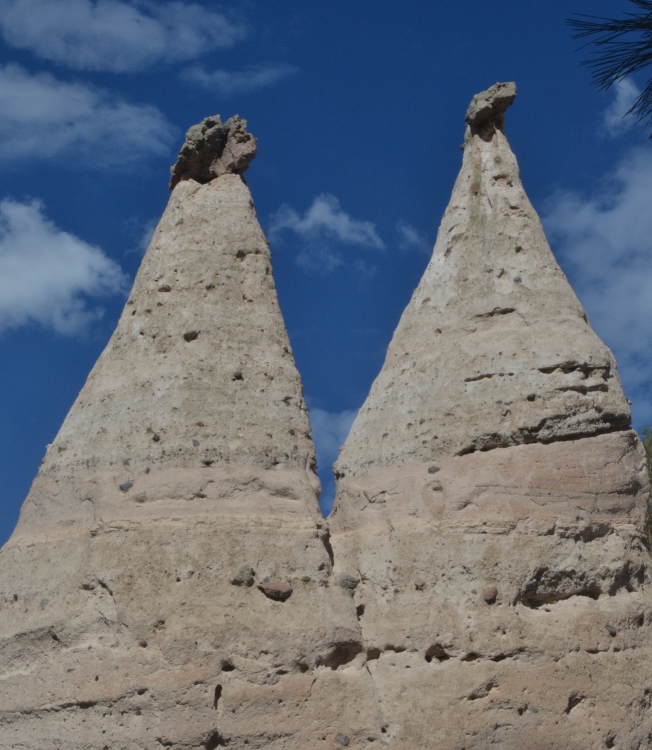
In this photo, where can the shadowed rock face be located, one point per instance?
(492, 498)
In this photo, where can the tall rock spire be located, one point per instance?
(199, 374)
(491, 496)
(168, 584)
(494, 348)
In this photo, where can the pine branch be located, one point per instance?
(618, 55)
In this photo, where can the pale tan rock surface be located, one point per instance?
(172, 585)
(494, 348)
(199, 375)
(491, 497)
(126, 620)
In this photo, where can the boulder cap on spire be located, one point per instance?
(491, 105)
(213, 148)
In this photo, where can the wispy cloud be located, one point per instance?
(252, 78)
(116, 36)
(43, 117)
(322, 228)
(47, 275)
(604, 242)
(147, 232)
(616, 121)
(329, 431)
(411, 238)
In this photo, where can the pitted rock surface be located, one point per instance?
(159, 401)
(494, 348)
(128, 614)
(483, 582)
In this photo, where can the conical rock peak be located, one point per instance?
(171, 565)
(198, 377)
(494, 348)
(491, 497)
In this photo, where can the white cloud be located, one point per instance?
(411, 238)
(323, 225)
(113, 35)
(329, 431)
(42, 117)
(146, 236)
(605, 245)
(616, 121)
(46, 274)
(253, 78)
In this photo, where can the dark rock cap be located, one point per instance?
(213, 148)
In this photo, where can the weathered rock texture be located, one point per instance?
(494, 348)
(171, 583)
(491, 495)
(168, 581)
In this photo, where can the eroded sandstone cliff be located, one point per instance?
(485, 577)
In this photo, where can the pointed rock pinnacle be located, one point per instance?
(490, 496)
(198, 376)
(213, 148)
(494, 348)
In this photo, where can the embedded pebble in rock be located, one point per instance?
(343, 739)
(276, 589)
(495, 378)
(243, 576)
(347, 581)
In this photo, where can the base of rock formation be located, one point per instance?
(133, 635)
(501, 603)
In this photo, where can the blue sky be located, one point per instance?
(358, 109)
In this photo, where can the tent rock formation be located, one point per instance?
(483, 580)
(492, 495)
